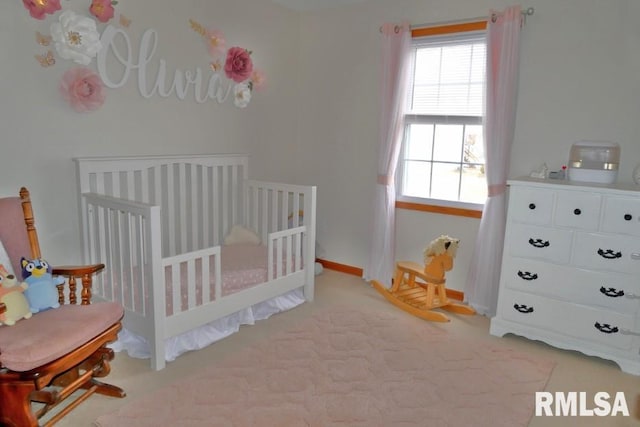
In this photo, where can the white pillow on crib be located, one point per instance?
(240, 235)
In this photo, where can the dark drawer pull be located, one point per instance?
(523, 308)
(577, 211)
(627, 217)
(609, 254)
(611, 292)
(606, 328)
(532, 206)
(527, 276)
(538, 243)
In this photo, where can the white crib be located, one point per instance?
(158, 223)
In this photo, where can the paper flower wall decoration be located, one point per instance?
(238, 65)
(39, 9)
(76, 37)
(217, 43)
(241, 95)
(258, 79)
(82, 88)
(102, 9)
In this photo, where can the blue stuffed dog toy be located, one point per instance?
(42, 292)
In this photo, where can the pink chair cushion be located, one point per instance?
(48, 335)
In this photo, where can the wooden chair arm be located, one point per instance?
(3, 308)
(72, 272)
(76, 270)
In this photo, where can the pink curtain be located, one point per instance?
(503, 41)
(396, 48)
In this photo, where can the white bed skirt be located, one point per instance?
(196, 339)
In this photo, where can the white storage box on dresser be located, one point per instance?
(571, 268)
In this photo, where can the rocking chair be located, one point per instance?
(55, 355)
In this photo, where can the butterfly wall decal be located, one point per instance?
(42, 39)
(46, 60)
(124, 21)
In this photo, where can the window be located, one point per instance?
(442, 159)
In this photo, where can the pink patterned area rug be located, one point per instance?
(352, 367)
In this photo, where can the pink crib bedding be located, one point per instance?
(242, 266)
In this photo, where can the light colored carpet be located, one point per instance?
(352, 366)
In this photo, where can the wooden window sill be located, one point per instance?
(445, 210)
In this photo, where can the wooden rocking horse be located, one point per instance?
(420, 297)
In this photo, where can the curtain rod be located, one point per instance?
(526, 12)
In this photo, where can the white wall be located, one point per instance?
(41, 134)
(579, 80)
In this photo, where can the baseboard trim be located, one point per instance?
(356, 271)
(343, 268)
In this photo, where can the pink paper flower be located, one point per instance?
(83, 89)
(216, 42)
(238, 66)
(102, 10)
(38, 9)
(258, 80)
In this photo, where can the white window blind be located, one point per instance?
(448, 76)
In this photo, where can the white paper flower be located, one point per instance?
(241, 95)
(76, 37)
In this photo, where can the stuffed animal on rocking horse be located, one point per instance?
(420, 297)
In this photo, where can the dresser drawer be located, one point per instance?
(596, 251)
(617, 292)
(540, 243)
(621, 215)
(574, 320)
(577, 209)
(531, 205)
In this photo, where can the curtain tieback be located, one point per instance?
(385, 179)
(496, 190)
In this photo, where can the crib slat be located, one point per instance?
(215, 214)
(108, 239)
(170, 209)
(99, 183)
(296, 210)
(255, 208)
(287, 255)
(191, 284)
(115, 184)
(205, 282)
(274, 210)
(145, 186)
(174, 288)
(129, 182)
(127, 272)
(225, 201)
(298, 254)
(235, 188)
(265, 212)
(196, 209)
(140, 278)
(181, 208)
(284, 211)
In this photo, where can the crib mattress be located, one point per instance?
(243, 266)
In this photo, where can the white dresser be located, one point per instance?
(571, 268)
